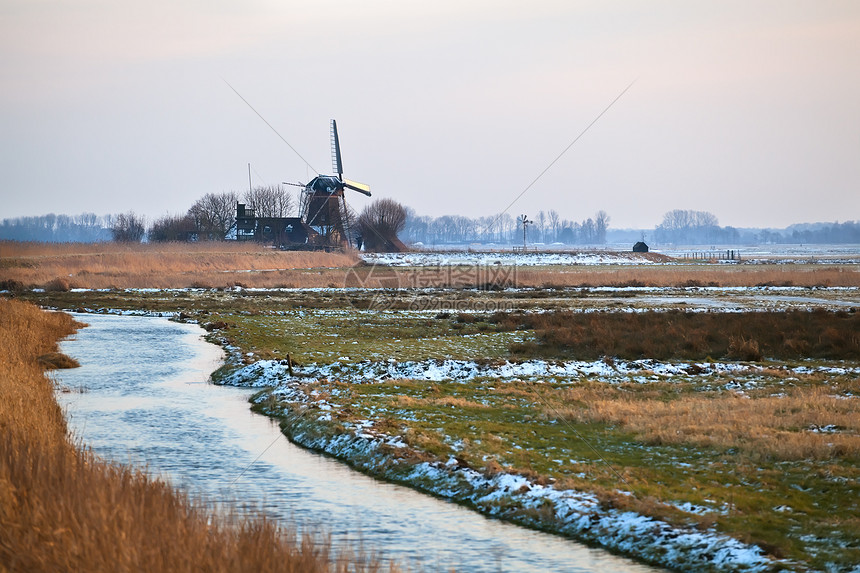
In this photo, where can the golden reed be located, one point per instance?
(63, 509)
(220, 264)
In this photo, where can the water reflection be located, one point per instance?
(146, 401)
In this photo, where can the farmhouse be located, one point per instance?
(279, 231)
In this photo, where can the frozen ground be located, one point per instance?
(362, 443)
(786, 252)
(528, 259)
(617, 255)
(579, 513)
(576, 513)
(275, 372)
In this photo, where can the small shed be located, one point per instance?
(640, 247)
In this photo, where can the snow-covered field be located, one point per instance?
(615, 255)
(527, 259)
(265, 373)
(576, 513)
(845, 253)
(579, 513)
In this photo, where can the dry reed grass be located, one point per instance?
(697, 275)
(785, 427)
(27, 404)
(690, 336)
(691, 275)
(226, 263)
(56, 360)
(166, 265)
(62, 509)
(459, 403)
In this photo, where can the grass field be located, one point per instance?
(165, 265)
(719, 398)
(226, 264)
(794, 334)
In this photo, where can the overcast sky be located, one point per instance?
(747, 109)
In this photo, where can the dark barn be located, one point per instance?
(282, 232)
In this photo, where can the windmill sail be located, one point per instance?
(336, 164)
(356, 186)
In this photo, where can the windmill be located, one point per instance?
(323, 203)
(525, 222)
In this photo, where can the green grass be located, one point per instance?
(324, 336)
(488, 429)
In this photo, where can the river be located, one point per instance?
(141, 396)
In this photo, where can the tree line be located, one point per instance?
(52, 228)
(847, 232)
(210, 218)
(213, 216)
(702, 228)
(543, 227)
(678, 227)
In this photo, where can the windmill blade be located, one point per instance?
(336, 163)
(356, 186)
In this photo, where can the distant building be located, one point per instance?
(282, 232)
(640, 247)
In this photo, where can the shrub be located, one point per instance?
(57, 360)
(58, 285)
(741, 348)
(689, 336)
(11, 285)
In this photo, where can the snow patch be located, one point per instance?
(465, 258)
(274, 372)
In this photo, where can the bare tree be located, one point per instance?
(586, 232)
(466, 228)
(554, 223)
(213, 215)
(508, 227)
(271, 201)
(417, 228)
(541, 224)
(128, 228)
(173, 228)
(686, 226)
(685, 219)
(548, 226)
(601, 223)
(379, 224)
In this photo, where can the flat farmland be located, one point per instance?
(695, 415)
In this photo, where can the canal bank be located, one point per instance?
(306, 416)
